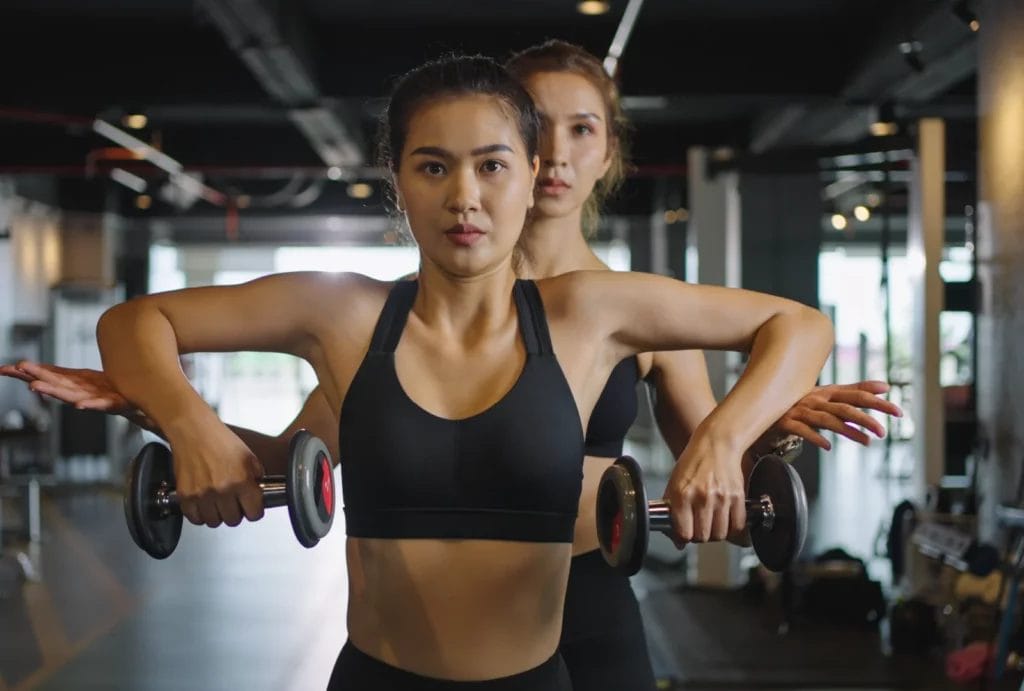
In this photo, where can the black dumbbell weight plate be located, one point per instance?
(779, 546)
(310, 488)
(157, 534)
(623, 523)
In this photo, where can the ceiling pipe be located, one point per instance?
(621, 38)
(270, 41)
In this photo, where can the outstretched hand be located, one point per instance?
(840, 408)
(85, 389)
(707, 488)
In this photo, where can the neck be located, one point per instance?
(553, 246)
(461, 305)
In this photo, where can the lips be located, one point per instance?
(553, 183)
(552, 186)
(464, 234)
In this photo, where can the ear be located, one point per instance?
(534, 171)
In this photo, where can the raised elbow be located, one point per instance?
(109, 322)
(818, 323)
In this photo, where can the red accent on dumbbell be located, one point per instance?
(326, 486)
(617, 530)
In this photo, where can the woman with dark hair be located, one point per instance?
(462, 396)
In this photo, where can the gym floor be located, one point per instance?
(249, 608)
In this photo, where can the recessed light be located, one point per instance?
(136, 121)
(593, 7)
(360, 190)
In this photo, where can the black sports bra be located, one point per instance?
(511, 472)
(614, 412)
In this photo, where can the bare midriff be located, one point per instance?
(463, 610)
(585, 533)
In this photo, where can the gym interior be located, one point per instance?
(864, 157)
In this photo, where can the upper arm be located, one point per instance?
(641, 312)
(279, 313)
(682, 395)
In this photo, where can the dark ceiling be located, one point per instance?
(259, 97)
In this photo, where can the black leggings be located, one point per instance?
(603, 641)
(357, 671)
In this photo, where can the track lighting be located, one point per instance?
(912, 55)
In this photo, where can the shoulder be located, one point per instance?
(569, 292)
(589, 292)
(351, 296)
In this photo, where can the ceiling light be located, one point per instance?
(243, 201)
(135, 121)
(334, 173)
(873, 199)
(723, 154)
(861, 213)
(360, 190)
(884, 123)
(143, 201)
(670, 216)
(593, 7)
(883, 129)
(838, 221)
(964, 13)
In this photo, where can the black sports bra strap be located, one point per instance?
(532, 322)
(392, 317)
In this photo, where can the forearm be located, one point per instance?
(139, 352)
(272, 451)
(786, 357)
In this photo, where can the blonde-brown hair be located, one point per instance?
(560, 56)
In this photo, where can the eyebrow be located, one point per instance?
(586, 116)
(443, 153)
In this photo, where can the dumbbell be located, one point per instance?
(776, 514)
(154, 516)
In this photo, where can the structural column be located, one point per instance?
(1000, 247)
(781, 245)
(925, 238)
(714, 229)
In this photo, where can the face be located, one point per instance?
(465, 183)
(574, 141)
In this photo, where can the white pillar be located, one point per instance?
(715, 230)
(925, 235)
(1000, 248)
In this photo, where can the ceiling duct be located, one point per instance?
(268, 36)
(946, 54)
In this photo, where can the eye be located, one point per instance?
(433, 168)
(581, 129)
(492, 166)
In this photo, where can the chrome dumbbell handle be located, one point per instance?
(760, 513)
(272, 486)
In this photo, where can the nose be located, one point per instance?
(554, 148)
(463, 193)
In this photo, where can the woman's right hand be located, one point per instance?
(216, 474)
(706, 492)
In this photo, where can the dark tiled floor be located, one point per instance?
(245, 608)
(249, 608)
